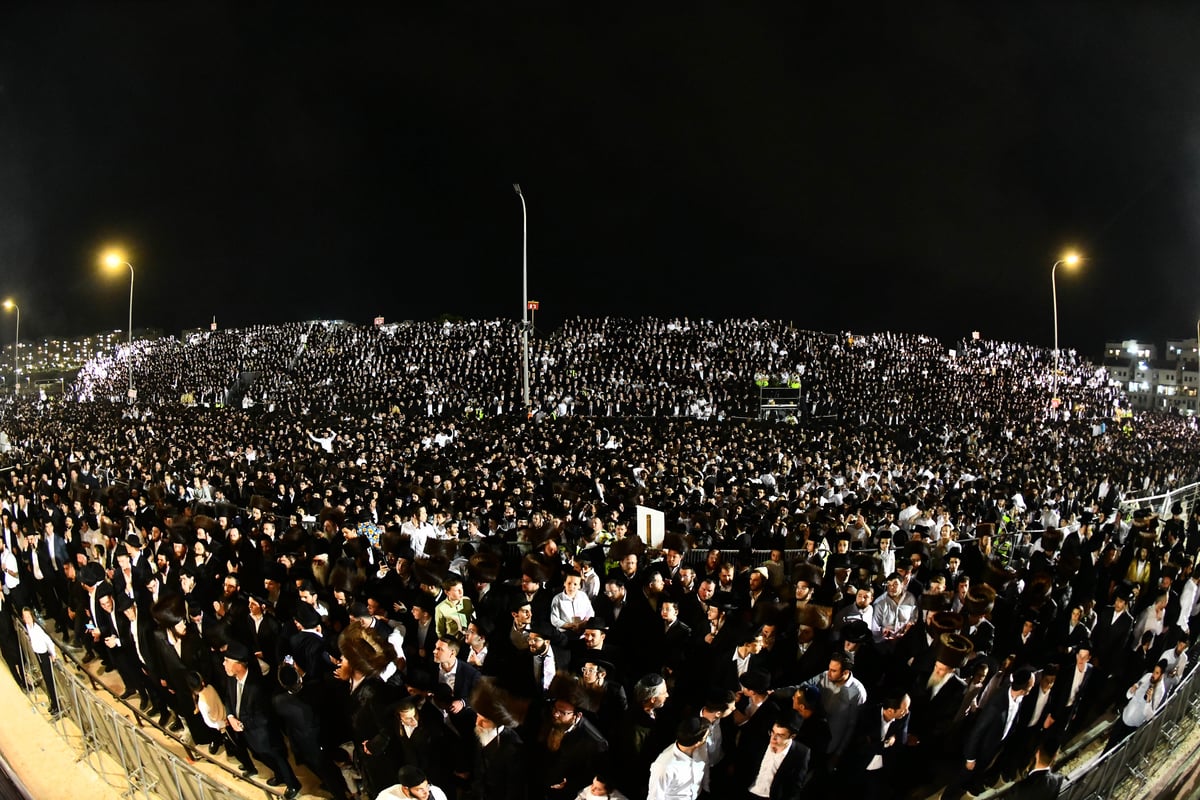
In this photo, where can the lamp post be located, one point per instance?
(114, 260)
(11, 305)
(1070, 259)
(524, 296)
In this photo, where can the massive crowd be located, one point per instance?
(355, 543)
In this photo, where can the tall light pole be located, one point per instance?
(11, 305)
(1070, 259)
(114, 260)
(524, 295)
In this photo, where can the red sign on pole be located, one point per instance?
(532, 305)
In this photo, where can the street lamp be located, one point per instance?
(1070, 259)
(11, 305)
(524, 295)
(114, 259)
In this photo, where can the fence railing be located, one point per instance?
(1150, 745)
(109, 740)
(1160, 504)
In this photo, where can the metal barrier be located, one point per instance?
(1160, 504)
(1150, 744)
(147, 768)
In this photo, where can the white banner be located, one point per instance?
(651, 526)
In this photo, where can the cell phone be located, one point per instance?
(89, 627)
(289, 660)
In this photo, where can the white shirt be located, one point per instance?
(396, 792)
(1076, 681)
(1039, 706)
(9, 564)
(768, 768)
(675, 775)
(564, 610)
(39, 639)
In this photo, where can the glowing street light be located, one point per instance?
(11, 305)
(115, 259)
(1071, 259)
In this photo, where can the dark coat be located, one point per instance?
(792, 775)
(984, 741)
(499, 769)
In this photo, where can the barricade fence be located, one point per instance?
(1151, 744)
(97, 730)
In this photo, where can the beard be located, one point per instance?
(485, 735)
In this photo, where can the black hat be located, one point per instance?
(307, 616)
(420, 599)
(236, 651)
(133, 540)
(123, 601)
(604, 666)
(856, 631)
(542, 628)
(676, 542)
(756, 680)
(492, 703)
(952, 649)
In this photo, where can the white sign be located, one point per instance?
(651, 526)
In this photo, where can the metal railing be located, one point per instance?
(109, 740)
(1150, 745)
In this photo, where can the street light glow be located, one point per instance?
(113, 259)
(1071, 259)
(9, 304)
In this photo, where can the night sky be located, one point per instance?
(914, 168)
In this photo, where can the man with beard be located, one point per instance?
(643, 732)
(936, 697)
(1144, 698)
(570, 749)
(423, 743)
(412, 784)
(607, 699)
(498, 771)
(841, 695)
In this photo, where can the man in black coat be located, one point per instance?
(570, 750)
(983, 744)
(498, 770)
(779, 766)
(249, 705)
(880, 737)
(1042, 783)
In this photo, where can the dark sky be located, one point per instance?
(913, 168)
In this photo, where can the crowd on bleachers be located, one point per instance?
(357, 537)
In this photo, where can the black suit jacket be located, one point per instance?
(254, 712)
(986, 737)
(465, 678)
(868, 742)
(792, 775)
(499, 769)
(1110, 641)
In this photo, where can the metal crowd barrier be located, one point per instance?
(97, 730)
(1151, 744)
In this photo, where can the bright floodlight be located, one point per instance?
(113, 259)
(1071, 259)
(9, 304)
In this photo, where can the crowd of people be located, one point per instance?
(379, 561)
